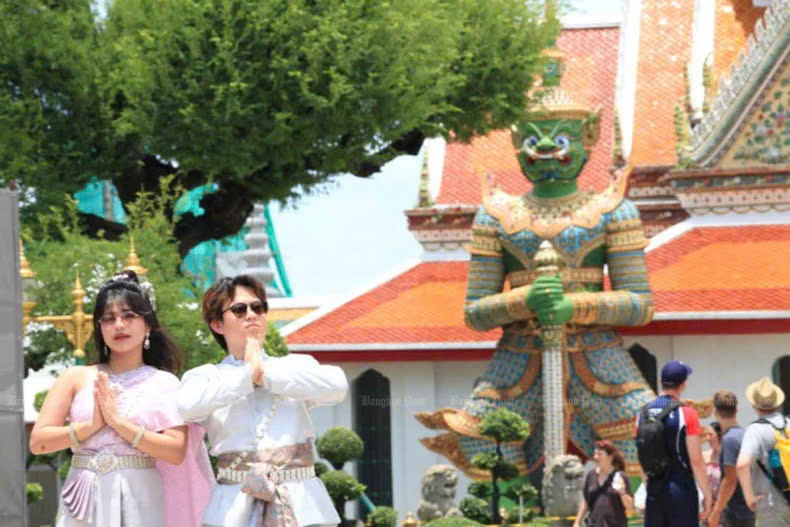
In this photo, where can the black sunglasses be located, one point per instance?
(240, 308)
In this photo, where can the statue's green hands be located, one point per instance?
(546, 299)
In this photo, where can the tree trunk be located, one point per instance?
(495, 490)
(340, 507)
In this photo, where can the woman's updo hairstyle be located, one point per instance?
(125, 289)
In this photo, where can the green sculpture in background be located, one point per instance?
(598, 387)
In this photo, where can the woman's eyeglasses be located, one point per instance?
(240, 308)
(109, 318)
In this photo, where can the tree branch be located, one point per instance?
(225, 213)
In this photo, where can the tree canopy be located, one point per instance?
(268, 99)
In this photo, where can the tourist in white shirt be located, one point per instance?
(255, 410)
(760, 494)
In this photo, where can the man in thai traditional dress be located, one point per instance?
(255, 409)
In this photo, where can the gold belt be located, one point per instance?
(569, 274)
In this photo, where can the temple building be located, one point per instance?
(693, 101)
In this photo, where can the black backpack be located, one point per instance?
(650, 446)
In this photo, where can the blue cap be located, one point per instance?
(674, 373)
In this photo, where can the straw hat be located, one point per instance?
(765, 395)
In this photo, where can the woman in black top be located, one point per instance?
(607, 492)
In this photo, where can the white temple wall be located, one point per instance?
(414, 387)
(720, 362)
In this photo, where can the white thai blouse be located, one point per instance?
(223, 399)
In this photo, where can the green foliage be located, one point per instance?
(63, 470)
(53, 124)
(503, 425)
(383, 516)
(480, 489)
(56, 237)
(320, 468)
(38, 399)
(505, 470)
(342, 487)
(274, 343)
(485, 460)
(453, 522)
(272, 98)
(525, 491)
(34, 492)
(475, 509)
(339, 445)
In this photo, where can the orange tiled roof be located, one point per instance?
(704, 269)
(735, 21)
(423, 304)
(722, 269)
(664, 49)
(591, 60)
(288, 314)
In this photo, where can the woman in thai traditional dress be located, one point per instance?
(130, 445)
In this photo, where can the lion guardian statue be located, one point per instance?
(438, 493)
(563, 481)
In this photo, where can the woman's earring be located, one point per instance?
(147, 343)
(106, 350)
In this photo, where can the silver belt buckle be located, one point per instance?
(103, 463)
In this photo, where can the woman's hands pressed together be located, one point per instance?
(105, 402)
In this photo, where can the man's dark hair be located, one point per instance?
(725, 403)
(221, 293)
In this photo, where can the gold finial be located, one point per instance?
(78, 293)
(24, 266)
(133, 261)
(410, 520)
(547, 260)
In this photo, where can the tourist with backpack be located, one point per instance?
(670, 452)
(764, 461)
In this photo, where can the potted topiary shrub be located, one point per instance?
(523, 494)
(383, 516)
(502, 426)
(34, 492)
(338, 446)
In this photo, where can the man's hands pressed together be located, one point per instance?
(252, 356)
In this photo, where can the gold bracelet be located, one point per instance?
(138, 437)
(75, 441)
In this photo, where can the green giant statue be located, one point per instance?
(600, 387)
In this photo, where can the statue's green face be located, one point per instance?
(551, 151)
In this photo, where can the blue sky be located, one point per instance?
(347, 238)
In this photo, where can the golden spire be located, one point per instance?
(24, 266)
(133, 261)
(78, 293)
(547, 260)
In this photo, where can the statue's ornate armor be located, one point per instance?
(604, 389)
